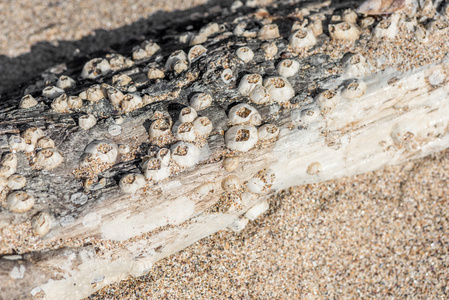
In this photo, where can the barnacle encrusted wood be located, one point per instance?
(116, 162)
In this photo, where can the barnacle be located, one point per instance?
(248, 82)
(244, 113)
(131, 183)
(241, 138)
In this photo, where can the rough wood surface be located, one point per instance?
(402, 114)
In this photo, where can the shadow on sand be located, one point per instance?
(15, 72)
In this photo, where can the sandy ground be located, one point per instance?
(380, 235)
(28, 22)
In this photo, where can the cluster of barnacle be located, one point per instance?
(243, 135)
(185, 153)
(179, 143)
(238, 194)
(43, 155)
(41, 149)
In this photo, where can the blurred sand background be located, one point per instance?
(380, 235)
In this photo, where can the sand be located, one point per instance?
(380, 235)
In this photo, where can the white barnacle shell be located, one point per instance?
(6, 171)
(279, 88)
(185, 154)
(259, 95)
(354, 90)
(150, 47)
(354, 65)
(74, 102)
(16, 182)
(115, 96)
(257, 210)
(19, 201)
(187, 114)
(155, 170)
(27, 101)
(105, 151)
(95, 67)
(241, 138)
(195, 52)
(268, 32)
(41, 223)
(204, 189)
(297, 25)
(159, 128)
(255, 185)
(308, 114)
(200, 101)
(65, 82)
(387, 28)
(270, 49)
(240, 29)
(202, 126)
(52, 92)
(344, 31)
(231, 163)
(184, 131)
(17, 143)
(164, 156)
(44, 143)
(349, 16)
(60, 104)
(302, 38)
(130, 102)
(328, 99)
(267, 132)
(287, 67)
(314, 168)
(180, 66)
(10, 160)
(87, 121)
(131, 183)
(248, 82)
(316, 27)
(367, 22)
(32, 134)
(197, 39)
(244, 113)
(121, 80)
(93, 93)
(173, 58)
(245, 54)
(118, 61)
(227, 76)
(48, 158)
(231, 183)
(154, 73)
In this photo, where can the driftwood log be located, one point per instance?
(368, 91)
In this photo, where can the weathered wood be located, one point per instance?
(403, 114)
